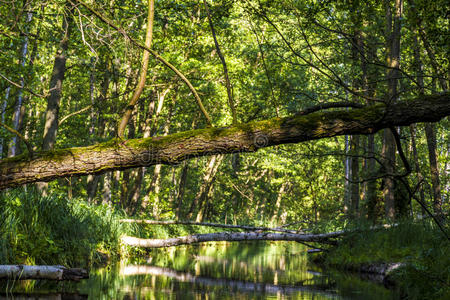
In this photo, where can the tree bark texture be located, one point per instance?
(23, 272)
(244, 227)
(118, 154)
(56, 81)
(230, 237)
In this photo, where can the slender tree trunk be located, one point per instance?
(56, 82)
(143, 74)
(347, 172)
(412, 129)
(229, 87)
(354, 150)
(5, 103)
(181, 188)
(432, 155)
(155, 183)
(19, 111)
(393, 62)
(280, 195)
(208, 177)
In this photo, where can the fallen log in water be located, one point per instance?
(231, 237)
(245, 227)
(23, 272)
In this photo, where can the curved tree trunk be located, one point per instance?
(172, 149)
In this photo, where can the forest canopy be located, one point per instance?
(125, 91)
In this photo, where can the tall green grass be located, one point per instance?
(36, 229)
(420, 245)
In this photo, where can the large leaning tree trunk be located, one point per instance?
(117, 154)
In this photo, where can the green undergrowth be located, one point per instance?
(421, 246)
(36, 229)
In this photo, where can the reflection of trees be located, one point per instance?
(238, 285)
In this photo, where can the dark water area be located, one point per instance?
(257, 270)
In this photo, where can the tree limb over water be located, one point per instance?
(231, 237)
(118, 154)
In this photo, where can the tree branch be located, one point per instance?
(172, 149)
(109, 22)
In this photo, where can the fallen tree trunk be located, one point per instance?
(245, 227)
(23, 272)
(172, 149)
(231, 237)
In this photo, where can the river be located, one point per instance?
(253, 270)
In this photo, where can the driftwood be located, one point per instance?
(245, 227)
(240, 285)
(23, 272)
(231, 237)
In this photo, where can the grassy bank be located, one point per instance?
(37, 229)
(420, 245)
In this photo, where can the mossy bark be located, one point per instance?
(119, 154)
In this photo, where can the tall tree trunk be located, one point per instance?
(393, 62)
(181, 188)
(5, 103)
(202, 196)
(412, 129)
(347, 172)
(432, 155)
(19, 111)
(277, 210)
(228, 85)
(56, 82)
(155, 183)
(143, 74)
(354, 150)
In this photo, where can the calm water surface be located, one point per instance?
(257, 270)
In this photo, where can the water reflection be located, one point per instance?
(262, 270)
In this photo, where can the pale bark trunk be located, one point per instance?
(280, 195)
(19, 109)
(230, 237)
(207, 224)
(23, 272)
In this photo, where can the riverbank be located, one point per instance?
(411, 257)
(52, 230)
